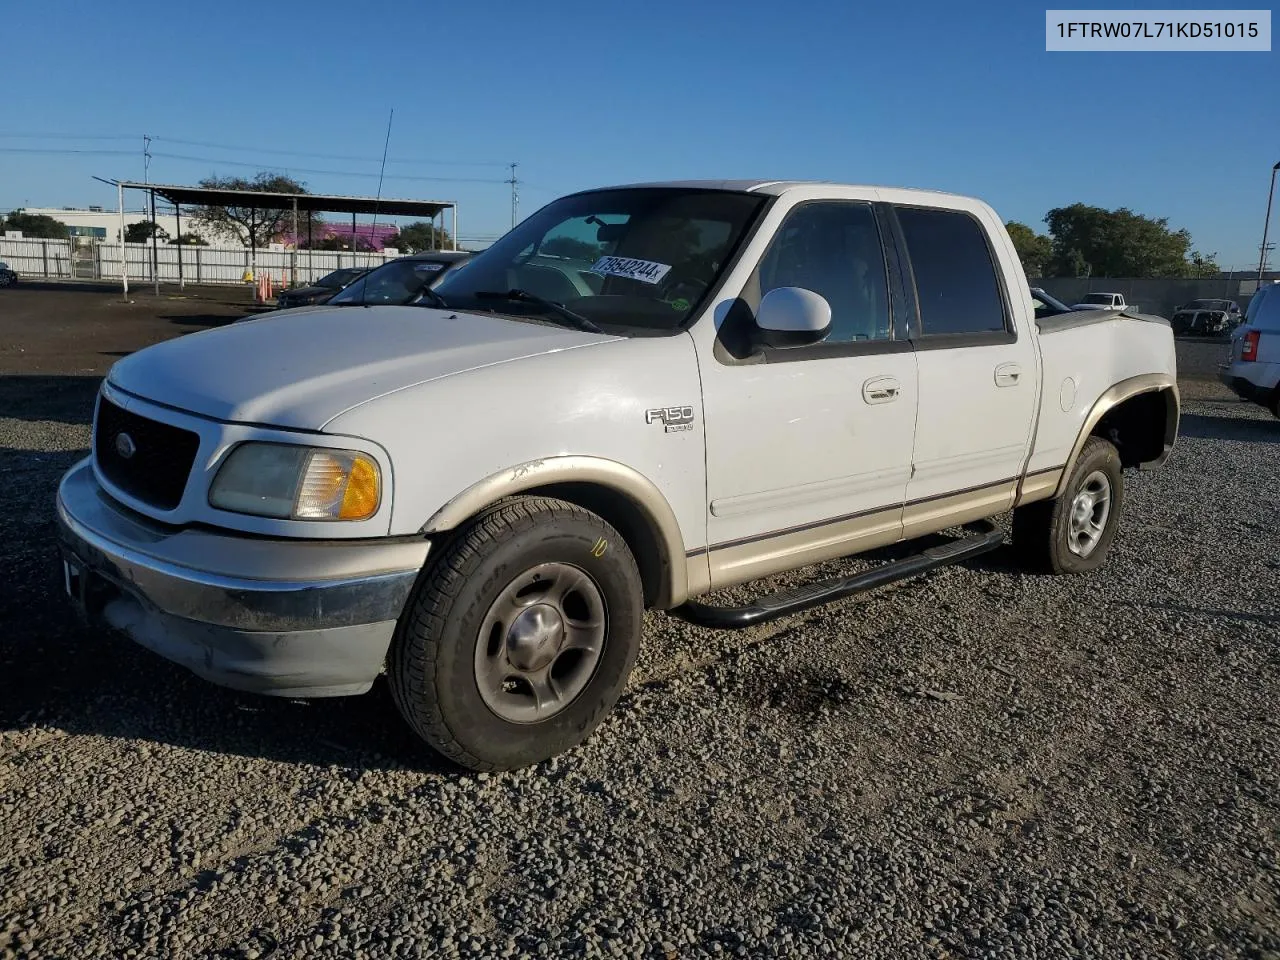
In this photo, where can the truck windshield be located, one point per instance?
(1098, 298)
(641, 259)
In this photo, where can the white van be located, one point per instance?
(1252, 369)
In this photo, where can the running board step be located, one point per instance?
(983, 538)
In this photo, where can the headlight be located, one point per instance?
(299, 483)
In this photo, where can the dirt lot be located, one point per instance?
(982, 763)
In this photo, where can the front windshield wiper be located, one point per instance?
(577, 320)
(435, 298)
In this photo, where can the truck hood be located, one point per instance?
(302, 369)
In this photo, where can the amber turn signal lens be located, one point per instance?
(361, 497)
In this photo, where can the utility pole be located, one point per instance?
(515, 196)
(146, 178)
(1266, 226)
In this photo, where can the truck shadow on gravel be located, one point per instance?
(63, 675)
(61, 399)
(1265, 429)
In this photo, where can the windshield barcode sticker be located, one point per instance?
(646, 271)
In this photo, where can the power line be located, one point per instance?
(312, 170)
(63, 136)
(333, 156)
(63, 150)
(422, 161)
(50, 151)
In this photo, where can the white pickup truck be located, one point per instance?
(1105, 301)
(638, 396)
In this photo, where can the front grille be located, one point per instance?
(156, 472)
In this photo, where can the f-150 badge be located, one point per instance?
(673, 419)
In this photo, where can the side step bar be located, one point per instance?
(983, 538)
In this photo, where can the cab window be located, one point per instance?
(833, 248)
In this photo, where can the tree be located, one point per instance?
(416, 237)
(190, 240)
(1034, 250)
(1203, 265)
(1116, 243)
(259, 226)
(142, 231)
(36, 225)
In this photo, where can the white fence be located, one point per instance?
(100, 260)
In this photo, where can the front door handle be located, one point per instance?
(881, 390)
(1008, 374)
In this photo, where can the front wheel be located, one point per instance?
(520, 637)
(1072, 534)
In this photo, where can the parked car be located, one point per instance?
(401, 280)
(1105, 301)
(1046, 305)
(1207, 317)
(1252, 369)
(8, 276)
(638, 396)
(321, 291)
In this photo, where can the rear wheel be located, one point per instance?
(1072, 534)
(520, 636)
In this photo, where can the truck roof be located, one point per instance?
(770, 187)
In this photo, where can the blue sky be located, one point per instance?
(959, 97)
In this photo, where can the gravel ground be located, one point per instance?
(978, 763)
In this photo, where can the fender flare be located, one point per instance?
(1112, 398)
(638, 489)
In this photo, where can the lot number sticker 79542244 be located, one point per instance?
(646, 271)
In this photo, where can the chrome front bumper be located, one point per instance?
(294, 618)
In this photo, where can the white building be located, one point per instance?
(101, 223)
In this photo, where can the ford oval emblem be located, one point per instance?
(125, 446)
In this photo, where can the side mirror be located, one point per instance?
(792, 317)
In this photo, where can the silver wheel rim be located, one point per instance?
(540, 643)
(1089, 512)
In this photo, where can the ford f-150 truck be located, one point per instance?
(637, 397)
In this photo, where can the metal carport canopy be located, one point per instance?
(313, 202)
(270, 200)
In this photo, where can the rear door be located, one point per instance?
(978, 371)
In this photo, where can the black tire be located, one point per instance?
(1042, 531)
(433, 666)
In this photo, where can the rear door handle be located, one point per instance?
(1008, 374)
(881, 390)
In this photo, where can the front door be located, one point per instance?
(809, 448)
(978, 375)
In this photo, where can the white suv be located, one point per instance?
(1252, 369)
